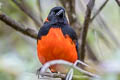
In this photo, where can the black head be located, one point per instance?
(57, 15)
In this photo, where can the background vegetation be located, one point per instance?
(18, 56)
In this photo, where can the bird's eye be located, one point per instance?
(56, 11)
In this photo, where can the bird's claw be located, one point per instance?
(38, 72)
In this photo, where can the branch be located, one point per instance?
(118, 2)
(90, 6)
(27, 11)
(17, 26)
(99, 10)
(63, 76)
(53, 62)
(58, 75)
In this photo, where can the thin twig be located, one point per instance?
(27, 11)
(99, 10)
(118, 2)
(82, 63)
(53, 75)
(63, 76)
(90, 6)
(89, 50)
(17, 26)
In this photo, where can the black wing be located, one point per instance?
(69, 31)
(43, 31)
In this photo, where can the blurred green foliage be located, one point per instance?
(18, 52)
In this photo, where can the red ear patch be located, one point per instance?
(46, 20)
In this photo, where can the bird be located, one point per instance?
(57, 40)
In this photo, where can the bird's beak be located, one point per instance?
(60, 13)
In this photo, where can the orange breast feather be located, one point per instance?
(55, 45)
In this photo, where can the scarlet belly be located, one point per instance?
(56, 46)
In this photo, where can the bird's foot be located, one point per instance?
(38, 72)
